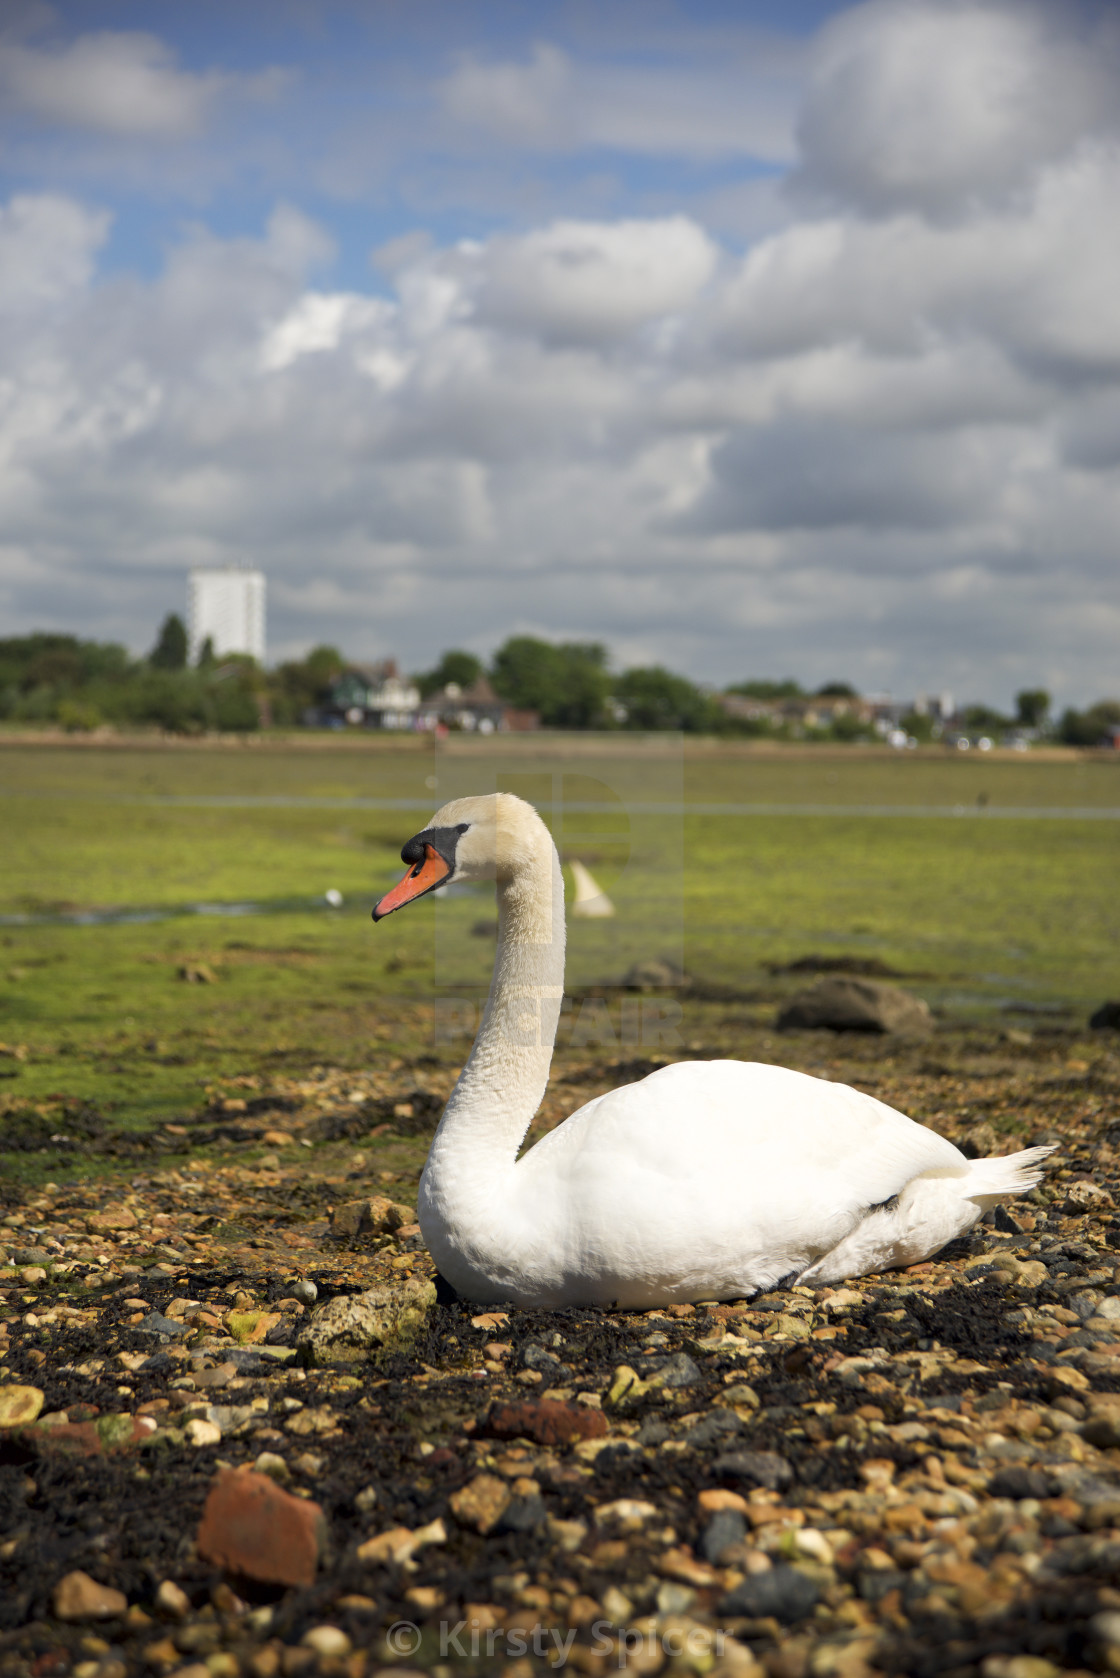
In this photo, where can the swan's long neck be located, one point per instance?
(503, 1081)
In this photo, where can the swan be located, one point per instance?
(705, 1180)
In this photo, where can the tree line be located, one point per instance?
(59, 679)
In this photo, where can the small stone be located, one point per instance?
(725, 1528)
(201, 1432)
(319, 1419)
(306, 1292)
(481, 1503)
(1018, 1666)
(112, 1218)
(220, 1376)
(545, 1420)
(172, 1601)
(757, 1468)
(782, 1593)
(274, 1466)
(249, 1328)
(1087, 1197)
(1106, 1628)
(1019, 1483)
(678, 1599)
(250, 1525)
(398, 1545)
(740, 1393)
(677, 1371)
(376, 1216)
(78, 1597)
(717, 1498)
(19, 1406)
(326, 1640)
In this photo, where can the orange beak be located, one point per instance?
(424, 876)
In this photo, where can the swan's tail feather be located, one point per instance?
(991, 1180)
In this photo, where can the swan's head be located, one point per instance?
(469, 839)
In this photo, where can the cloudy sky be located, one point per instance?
(756, 337)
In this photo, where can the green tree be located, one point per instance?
(567, 683)
(654, 698)
(454, 666)
(982, 719)
(207, 657)
(1032, 707)
(917, 724)
(302, 685)
(786, 689)
(1091, 727)
(837, 690)
(170, 650)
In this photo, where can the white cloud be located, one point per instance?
(594, 280)
(937, 106)
(882, 443)
(740, 107)
(123, 83)
(48, 246)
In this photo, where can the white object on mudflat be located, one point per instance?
(590, 899)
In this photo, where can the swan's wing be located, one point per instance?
(731, 1147)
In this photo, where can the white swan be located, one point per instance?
(706, 1180)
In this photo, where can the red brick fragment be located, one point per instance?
(251, 1526)
(546, 1420)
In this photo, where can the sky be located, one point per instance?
(750, 337)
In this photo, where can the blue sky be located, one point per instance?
(749, 338)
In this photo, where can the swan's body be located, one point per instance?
(706, 1180)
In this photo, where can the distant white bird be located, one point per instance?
(706, 1180)
(334, 898)
(590, 899)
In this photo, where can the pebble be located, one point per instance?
(78, 1597)
(201, 1432)
(725, 1528)
(757, 1468)
(782, 1592)
(172, 1600)
(19, 1405)
(326, 1640)
(481, 1503)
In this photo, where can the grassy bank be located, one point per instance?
(1004, 919)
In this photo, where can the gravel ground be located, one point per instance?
(914, 1473)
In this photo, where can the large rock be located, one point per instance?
(348, 1330)
(1106, 1018)
(842, 1003)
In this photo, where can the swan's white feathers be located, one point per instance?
(706, 1180)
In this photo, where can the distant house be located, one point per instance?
(371, 696)
(473, 709)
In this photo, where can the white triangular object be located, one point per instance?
(590, 899)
